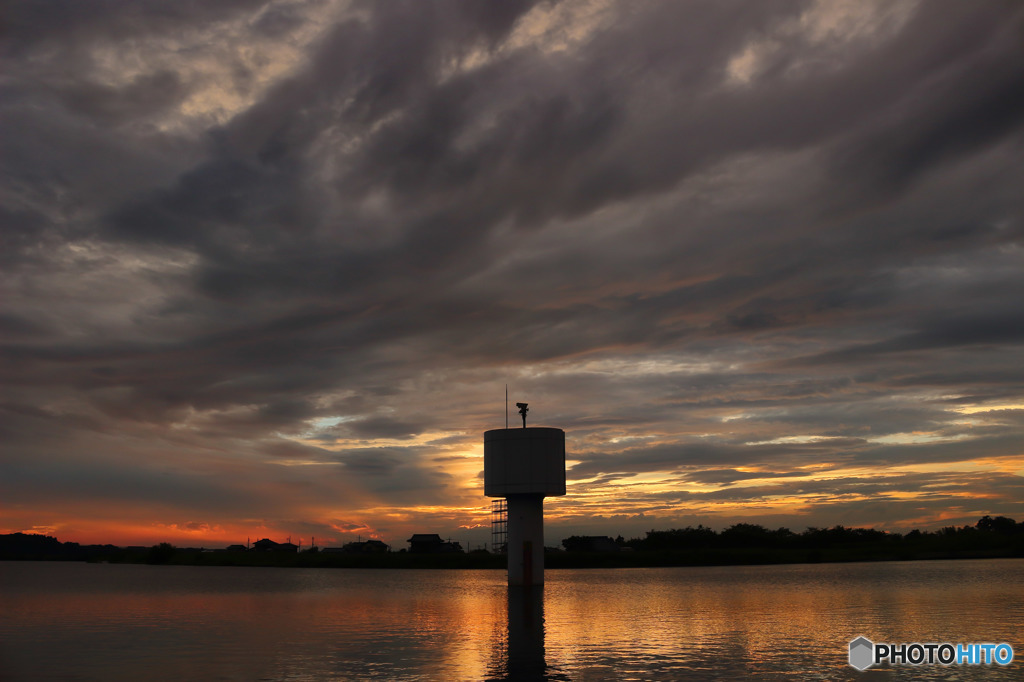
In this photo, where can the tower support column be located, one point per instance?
(526, 540)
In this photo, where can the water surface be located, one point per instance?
(75, 621)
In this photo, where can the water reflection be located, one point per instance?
(89, 622)
(774, 622)
(522, 656)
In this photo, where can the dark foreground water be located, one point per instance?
(73, 621)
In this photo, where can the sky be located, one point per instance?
(268, 266)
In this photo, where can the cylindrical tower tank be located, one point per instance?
(525, 466)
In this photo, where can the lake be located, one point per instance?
(76, 621)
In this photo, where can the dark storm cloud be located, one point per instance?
(728, 476)
(100, 483)
(386, 427)
(972, 102)
(680, 456)
(143, 96)
(990, 329)
(31, 23)
(702, 237)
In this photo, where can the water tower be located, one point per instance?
(524, 466)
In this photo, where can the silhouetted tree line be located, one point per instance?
(23, 546)
(741, 543)
(44, 547)
(27, 546)
(987, 532)
(748, 543)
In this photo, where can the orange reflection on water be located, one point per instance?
(734, 627)
(263, 623)
(122, 622)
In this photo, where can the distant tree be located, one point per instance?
(745, 535)
(160, 554)
(574, 543)
(678, 539)
(999, 524)
(783, 534)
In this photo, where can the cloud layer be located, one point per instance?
(268, 266)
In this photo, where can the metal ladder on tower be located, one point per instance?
(499, 526)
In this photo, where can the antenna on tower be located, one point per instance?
(506, 406)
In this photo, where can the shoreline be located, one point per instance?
(554, 560)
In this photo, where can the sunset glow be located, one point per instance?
(269, 268)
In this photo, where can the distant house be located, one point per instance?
(423, 543)
(235, 548)
(365, 547)
(590, 543)
(266, 545)
(431, 543)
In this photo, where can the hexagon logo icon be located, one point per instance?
(862, 652)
